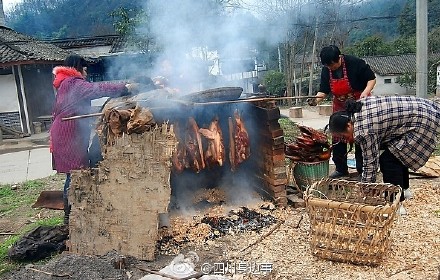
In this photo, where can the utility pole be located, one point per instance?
(422, 48)
(279, 59)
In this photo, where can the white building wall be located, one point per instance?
(393, 88)
(8, 94)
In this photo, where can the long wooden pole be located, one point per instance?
(251, 100)
(200, 104)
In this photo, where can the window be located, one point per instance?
(387, 81)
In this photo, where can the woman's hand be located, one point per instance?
(132, 88)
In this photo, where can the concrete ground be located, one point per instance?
(310, 118)
(25, 159)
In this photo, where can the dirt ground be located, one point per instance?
(285, 252)
(15, 221)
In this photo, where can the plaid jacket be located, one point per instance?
(406, 125)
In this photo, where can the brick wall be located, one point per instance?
(11, 119)
(271, 154)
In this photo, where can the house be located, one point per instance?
(389, 68)
(26, 78)
(111, 57)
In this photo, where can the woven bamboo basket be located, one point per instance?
(351, 221)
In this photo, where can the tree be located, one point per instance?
(407, 20)
(434, 40)
(403, 45)
(275, 83)
(67, 18)
(407, 80)
(373, 45)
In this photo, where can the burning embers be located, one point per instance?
(310, 146)
(239, 221)
(212, 226)
(199, 148)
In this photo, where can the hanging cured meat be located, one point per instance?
(215, 152)
(189, 151)
(239, 144)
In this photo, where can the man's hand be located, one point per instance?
(312, 101)
(364, 94)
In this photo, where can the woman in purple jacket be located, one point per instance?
(70, 139)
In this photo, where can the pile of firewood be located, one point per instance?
(310, 146)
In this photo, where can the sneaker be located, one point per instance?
(402, 211)
(407, 194)
(337, 174)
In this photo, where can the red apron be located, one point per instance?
(342, 90)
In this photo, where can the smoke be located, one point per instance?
(199, 44)
(199, 39)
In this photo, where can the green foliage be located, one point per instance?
(432, 75)
(407, 80)
(290, 129)
(376, 45)
(60, 33)
(434, 40)
(407, 20)
(66, 18)
(403, 45)
(275, 82)
(5, 265)
(373, 45)
(126, 20)
(11, 199)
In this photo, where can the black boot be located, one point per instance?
(66, 211)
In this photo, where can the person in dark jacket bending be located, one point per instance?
(346, 77)
(396, 133)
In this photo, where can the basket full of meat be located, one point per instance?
(309, 156)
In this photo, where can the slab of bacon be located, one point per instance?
(239, 145)
(310, 146)
(215, 152)
(189, 151)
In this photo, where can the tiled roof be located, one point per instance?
(71, 43)
(17, 48)
(394, 64)
(116, 43)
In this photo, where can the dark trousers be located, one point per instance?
(65, 199)
(394, 172)
(340, 157)
(66, 185)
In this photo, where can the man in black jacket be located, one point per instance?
(345, 77)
